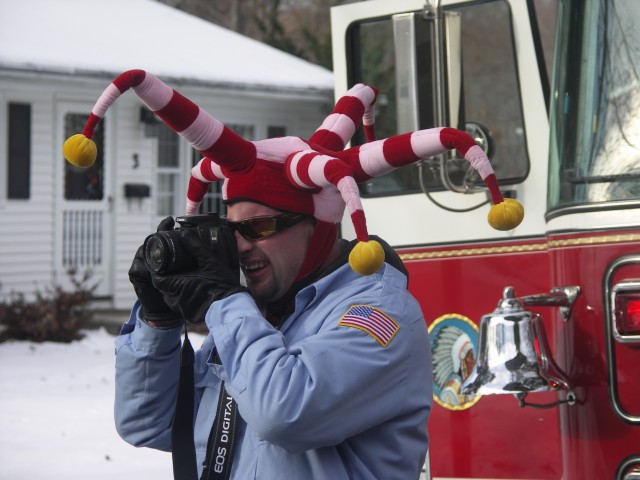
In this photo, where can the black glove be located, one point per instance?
(154, 309)
(216, 276)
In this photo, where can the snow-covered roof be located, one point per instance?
(107, 37)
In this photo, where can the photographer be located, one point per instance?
(317, 398)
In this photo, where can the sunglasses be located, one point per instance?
(259, 228)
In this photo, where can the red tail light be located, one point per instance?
(626, 311)
(628, 315)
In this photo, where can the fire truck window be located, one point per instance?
(595, 109)
(490, 92)
(546, 15)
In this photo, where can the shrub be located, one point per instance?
(54, 315)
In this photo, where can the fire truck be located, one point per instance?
(535, 332)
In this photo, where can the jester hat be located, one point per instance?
(316, 177)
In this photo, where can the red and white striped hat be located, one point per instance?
(315, 176)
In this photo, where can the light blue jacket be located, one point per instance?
(319, 398)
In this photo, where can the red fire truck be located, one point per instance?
(551, 90)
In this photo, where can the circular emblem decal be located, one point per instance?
(454, 345)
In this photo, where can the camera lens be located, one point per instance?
(165, 253)
(157, 253)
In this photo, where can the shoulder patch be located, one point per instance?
(371, 320)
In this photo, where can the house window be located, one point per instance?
(169, 176)
(276, 131)
(19, 151)
(84, 183)
(245, 131)
(212, 201)
(169, 185)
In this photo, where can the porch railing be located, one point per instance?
(82, 238)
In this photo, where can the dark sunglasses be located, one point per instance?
(259, 228)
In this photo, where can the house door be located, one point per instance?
(83, 210)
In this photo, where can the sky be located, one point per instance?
(112, 36)
(56, 414)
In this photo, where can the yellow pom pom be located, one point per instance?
(80, 150)
(366, 258)
(506, 215)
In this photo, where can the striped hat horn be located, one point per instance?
(207, 135)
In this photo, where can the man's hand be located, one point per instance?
(215, 277)
(155, 310)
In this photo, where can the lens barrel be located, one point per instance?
(164, 253)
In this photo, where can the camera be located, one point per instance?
(165, 252)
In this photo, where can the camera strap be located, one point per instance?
(222, 439)
(183, 451)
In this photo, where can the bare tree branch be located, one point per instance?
(299, 27)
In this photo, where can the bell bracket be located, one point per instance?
(563, 297)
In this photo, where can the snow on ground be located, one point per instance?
(56, 414)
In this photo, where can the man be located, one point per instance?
(324, 353)
(317, 396)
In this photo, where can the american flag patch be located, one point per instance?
(371, 320)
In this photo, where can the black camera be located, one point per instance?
(164, 251)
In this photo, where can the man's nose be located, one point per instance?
(244, 245)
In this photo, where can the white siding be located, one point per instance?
(26, 240)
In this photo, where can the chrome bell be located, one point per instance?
(513, 353)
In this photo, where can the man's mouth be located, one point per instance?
(253, 267)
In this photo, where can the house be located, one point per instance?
(56, 58)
